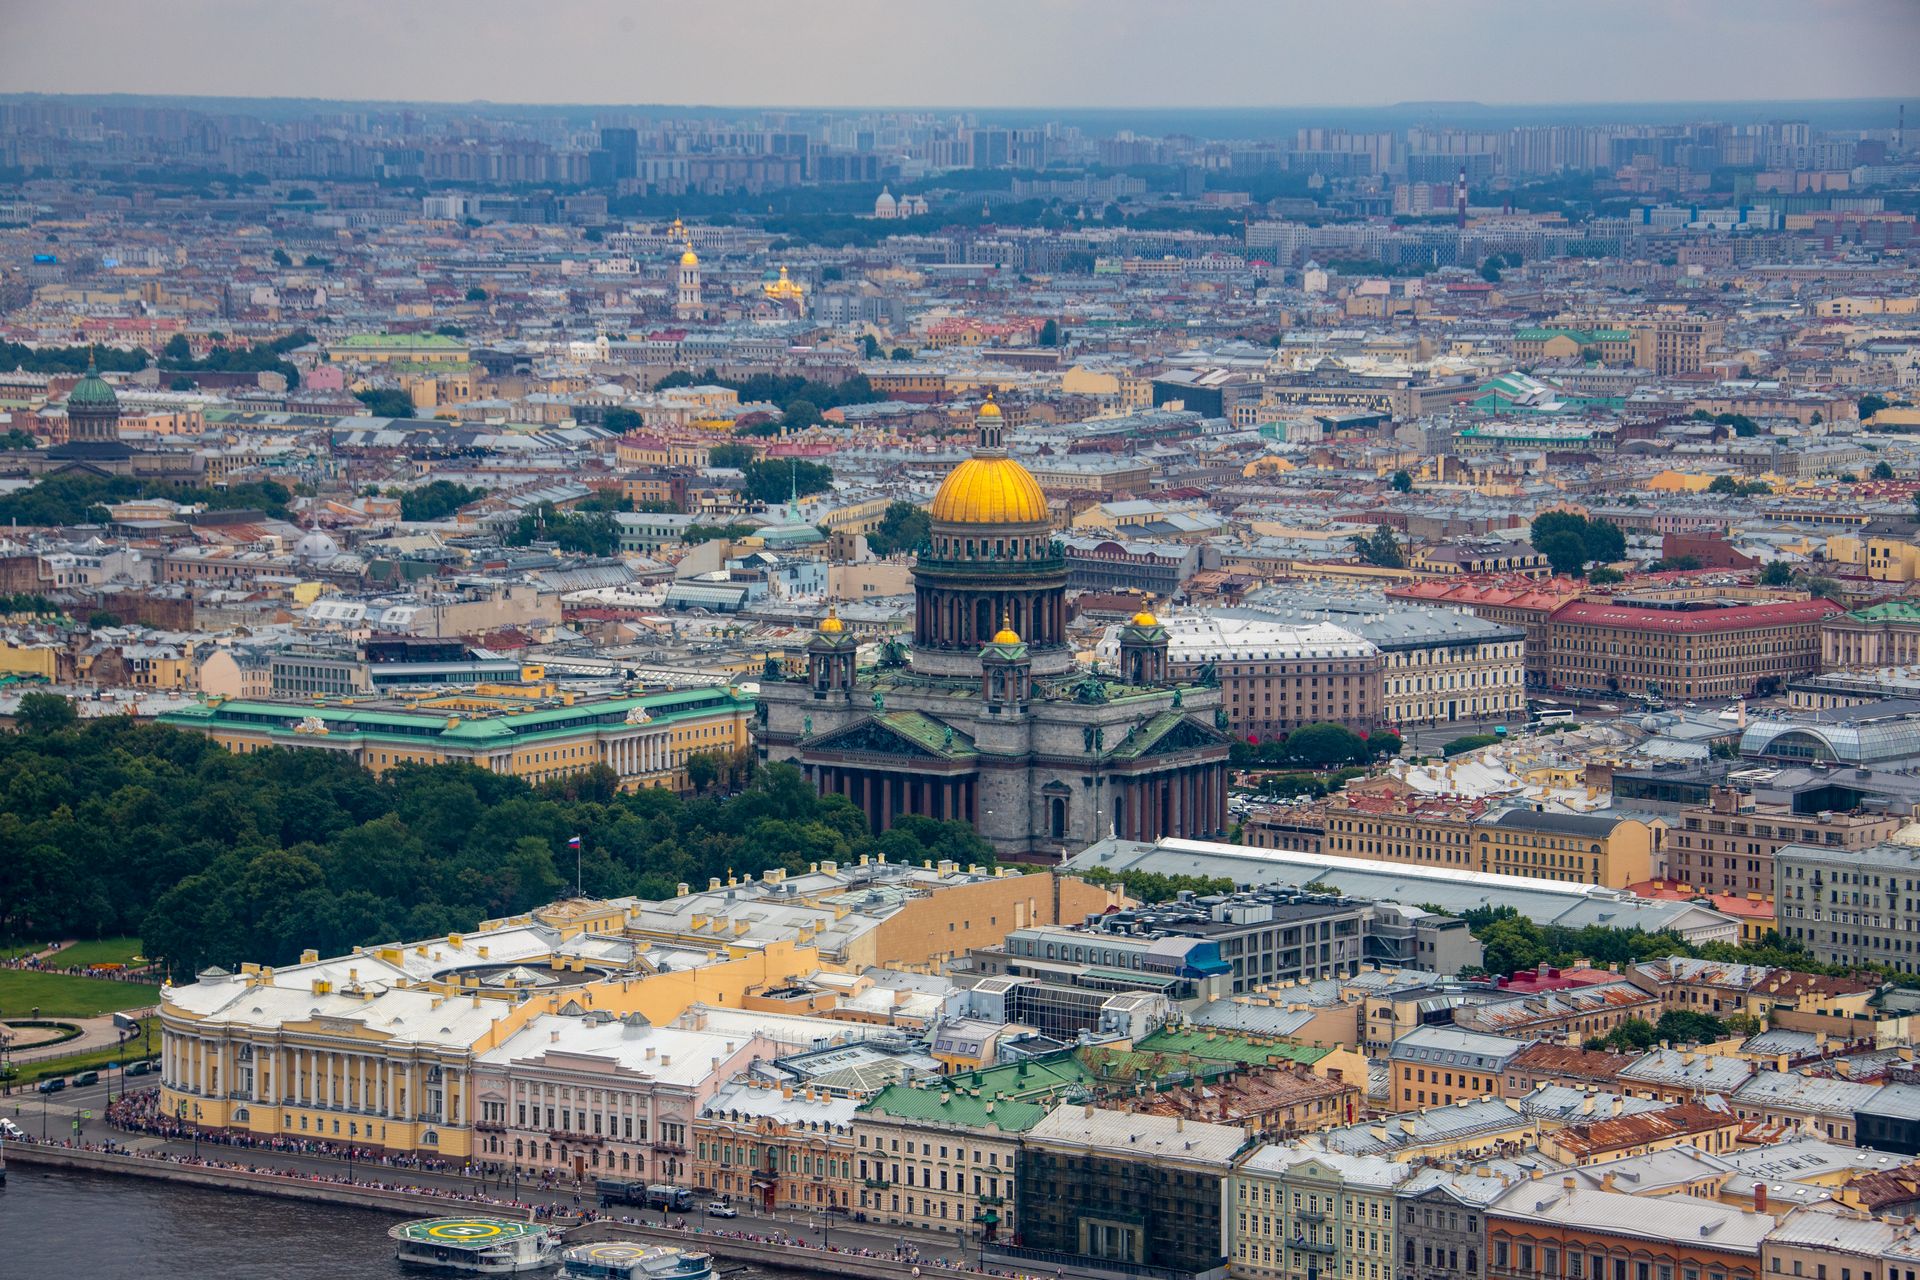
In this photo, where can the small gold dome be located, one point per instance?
(989, 409)
(689, 258)
(831, 624)
(1145, 619)
(990, 491)
(1006, 634)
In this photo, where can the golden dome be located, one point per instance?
(689, 258)
(989, 409)
(831, 624)
(1006, 634)
(990, 490)
(1145, 619)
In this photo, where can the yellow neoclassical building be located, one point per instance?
(378, 1048)
(645, 739)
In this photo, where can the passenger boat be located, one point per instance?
(476, 1246)
(630, 1260)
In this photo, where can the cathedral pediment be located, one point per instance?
(1169, 733)
(907, 734)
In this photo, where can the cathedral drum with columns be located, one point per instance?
(987, 719)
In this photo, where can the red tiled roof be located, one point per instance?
(1694, 621)
(1732, 904)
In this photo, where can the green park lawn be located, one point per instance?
(99, 951)
(61, 995)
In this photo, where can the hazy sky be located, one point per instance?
(1050, 53)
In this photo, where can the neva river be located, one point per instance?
(59, 1225)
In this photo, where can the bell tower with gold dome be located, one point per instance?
(992, 557)
(688, 303)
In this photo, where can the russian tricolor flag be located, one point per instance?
(574, 843)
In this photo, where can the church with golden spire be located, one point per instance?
(986, 717)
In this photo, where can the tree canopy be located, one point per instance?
(904, 527)
(386, 402)
(590, 533)
(1380, 548)
(17, 355)
(117, 827)
(1570, 542)
(437, 500)
(774, 480)
(76, 498)
(261, 357)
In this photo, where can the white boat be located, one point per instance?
(476, 1245)
(630, 1260)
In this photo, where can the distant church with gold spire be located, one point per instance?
(986, 718)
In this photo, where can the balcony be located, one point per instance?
(670, 1148)
(1309, 1215)
(576, 1139)
(1312, 1246)
(878, 1184)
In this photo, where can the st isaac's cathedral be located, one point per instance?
(987, 719)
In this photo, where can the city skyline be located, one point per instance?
(999, 55)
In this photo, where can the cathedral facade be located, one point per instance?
(93, 445)
(986, 718)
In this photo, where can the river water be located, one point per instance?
(61, 1225)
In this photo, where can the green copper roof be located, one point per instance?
(929, 733)
(1888, 611)
(1578, 335)
(284, 720)
(1227, 1046)
(1020, 1095)
(92, 390)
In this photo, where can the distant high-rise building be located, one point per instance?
(622, 149)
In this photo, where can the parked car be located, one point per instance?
(54, 1085)
(143, 1067)
(718, 1210)
(12, 1131)
(86, 1078)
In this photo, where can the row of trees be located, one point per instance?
(1512, 942)
(115, 827)
(16, 355)
(1153, 886)
(177, 356)
(1316, 746)
(76, 498)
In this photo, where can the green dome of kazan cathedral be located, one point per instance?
(986, 719)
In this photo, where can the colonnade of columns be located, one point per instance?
(640, 755)
(311, 1078)
(1189, 803)
(957, 620)
(884, 796)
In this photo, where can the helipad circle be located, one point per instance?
(464, 1231)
